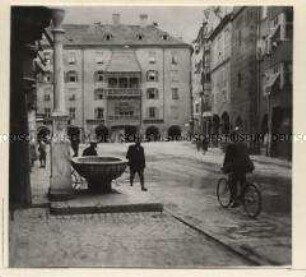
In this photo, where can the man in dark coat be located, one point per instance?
(91, 150)
(137, 163)
(237, 163)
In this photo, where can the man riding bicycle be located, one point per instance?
(237, 163)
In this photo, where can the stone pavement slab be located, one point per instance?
(124, 198)
(183, 180)
(146, 240)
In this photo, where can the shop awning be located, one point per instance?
(272, 80)
(207, 114)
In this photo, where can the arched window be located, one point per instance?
(152, 93)
(152, 76)
(71, 77)
(98, 76)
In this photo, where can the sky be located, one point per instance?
(177, 21)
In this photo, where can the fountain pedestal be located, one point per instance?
(99, 171)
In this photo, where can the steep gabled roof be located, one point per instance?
(118, 35)
(123, 61)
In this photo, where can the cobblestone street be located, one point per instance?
(192, 232)
(113, 240)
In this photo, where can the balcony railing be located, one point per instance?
(122, 92)
(123, 118)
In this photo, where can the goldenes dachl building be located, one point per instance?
(122, 79)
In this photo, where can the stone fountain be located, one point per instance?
(99, 171)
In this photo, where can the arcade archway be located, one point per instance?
(174, 132)
(225, 123)
(152, 133)
(102, 133)
(43, 133)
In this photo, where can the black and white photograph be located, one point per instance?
(150, 137)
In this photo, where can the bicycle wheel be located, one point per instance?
(224, 193)
(76, 184)
(252, 200)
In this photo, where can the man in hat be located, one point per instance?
(137, 163)
(237, 163)
(91, 150)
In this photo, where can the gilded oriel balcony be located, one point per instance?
(123, 93)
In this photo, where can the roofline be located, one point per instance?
(235, 14)
(224, 21)
(81, 46)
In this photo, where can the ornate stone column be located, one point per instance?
(60, 182)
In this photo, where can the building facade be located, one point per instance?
(27, 28)
(123, 79)
(248, 81)
(203, 61)
(244, 69)
(275, 53)
(220, 71)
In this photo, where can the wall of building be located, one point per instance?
(221, 71)
(170, 75)
(244, 69)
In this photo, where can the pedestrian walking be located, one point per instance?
(137, 163)
(75, 142)
(42, 153)
(205, 143)
(33, 154)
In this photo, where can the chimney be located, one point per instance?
(116, 18)
(143, 19)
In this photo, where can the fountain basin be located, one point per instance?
(99, 171)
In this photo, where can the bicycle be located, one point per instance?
(249, 195)
(78, 182)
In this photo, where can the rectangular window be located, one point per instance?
(197, 107)
(72, 97)
(99, 57)
(276, 68)
(174, 59)
(275, 21)
(174, 112)
(47, 97)
(174, 76)
(48, 112)
(152, 112)
(239, 80)
(152, 93)
(175, 94)
(71, 77)
(99, 113)
(71, 58)
(99, 94)
(99, 76)
(72, 113)
(239, 37)
(112, 82)
(152, 57)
